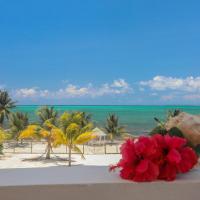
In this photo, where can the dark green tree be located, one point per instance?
(18, 122)
(47, 113)
(6, 104)
(113, 129)
(85, 118)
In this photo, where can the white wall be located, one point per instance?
(91, 183)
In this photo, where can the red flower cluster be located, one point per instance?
(155, 157)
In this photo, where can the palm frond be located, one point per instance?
(84, 138)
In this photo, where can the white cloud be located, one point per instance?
(117, 87)
(44, 93)
(26, 92)
(120, 83)
(31, 93)
(162, 83)
(73, 91)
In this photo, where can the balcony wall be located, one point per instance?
(91, 183)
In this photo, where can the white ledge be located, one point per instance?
(91, 182)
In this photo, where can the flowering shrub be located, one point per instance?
(155, 157)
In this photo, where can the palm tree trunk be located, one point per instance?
(111, 137)
(17, 138)
(48, 154)
(70, 156)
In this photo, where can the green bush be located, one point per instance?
(161, 130)
(158, 130)
(175, 132)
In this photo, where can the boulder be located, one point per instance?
(188, 124)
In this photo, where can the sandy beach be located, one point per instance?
(9, 160)
(31, 155)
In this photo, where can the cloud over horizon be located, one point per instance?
(187, 88)
(117, 87)
(159, 89)
(161, 83)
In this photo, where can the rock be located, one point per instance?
(189, 126)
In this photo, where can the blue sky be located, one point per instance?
(100, 52)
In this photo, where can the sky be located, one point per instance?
(100, 51)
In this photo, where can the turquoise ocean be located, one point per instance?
(136, 119)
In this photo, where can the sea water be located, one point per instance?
(136, 119)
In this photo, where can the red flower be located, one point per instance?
(167, 172)
(189, 159)
(138, 161)
(176, 156)
(146, 170)
(156, 157)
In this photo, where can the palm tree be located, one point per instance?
(47, 113)
(76, 132)
(45, 129)
(113, 128)
(69, 132)
(51, 134)
(6, 104)
(18, 122)
(85, 118)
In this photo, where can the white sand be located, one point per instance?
(29, 161)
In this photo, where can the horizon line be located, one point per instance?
(108, 105)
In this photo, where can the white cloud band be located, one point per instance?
(117, 87)
(162, 83)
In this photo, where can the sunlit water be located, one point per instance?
(136, 119)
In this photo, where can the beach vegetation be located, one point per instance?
(48, 132)
(77, 129)
(45, 113)
(70, 129)
(113, 128)
(17, 123)
(6, 104)
(85, 118)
